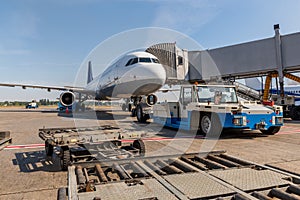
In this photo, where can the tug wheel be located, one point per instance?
(272, 130)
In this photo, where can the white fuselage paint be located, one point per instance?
(121, 81)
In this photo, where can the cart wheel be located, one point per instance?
(65, 159)
(48, 148)
(139, 144)
(62, 194)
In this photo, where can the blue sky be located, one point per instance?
(44, 42)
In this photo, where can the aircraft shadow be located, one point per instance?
(97, 115)
(27, 110)
(36, 161)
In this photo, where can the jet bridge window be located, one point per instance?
(186, 95)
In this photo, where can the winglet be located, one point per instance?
(90, 73)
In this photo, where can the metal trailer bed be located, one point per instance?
(85, 144)
(214, 175)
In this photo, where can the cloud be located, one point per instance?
(185, 16)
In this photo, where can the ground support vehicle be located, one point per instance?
(213, 175)
(5, 139)
(33, 105)
(208, 109)
(74, 145)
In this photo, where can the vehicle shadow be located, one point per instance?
(36, 161)
(226, 134)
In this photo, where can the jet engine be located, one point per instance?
(67, 98)
(151, 99)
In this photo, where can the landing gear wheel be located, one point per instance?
(210, 125)
(133, 112)
(65, 159)
(129, 107)
(140, 115)
(139, 144)
(124, 107)
(48, 148)
(271, 131)
(295, 113)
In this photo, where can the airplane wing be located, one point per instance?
(49, 88)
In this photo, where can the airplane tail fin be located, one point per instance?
(90, 73)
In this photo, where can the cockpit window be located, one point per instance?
(135, 60)
(129, 61)
(154, 60)
(146, 60)
(143, 60)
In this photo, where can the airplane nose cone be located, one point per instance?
(155, 73)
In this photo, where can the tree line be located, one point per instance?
(43, 102)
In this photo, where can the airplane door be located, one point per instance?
(185, 99)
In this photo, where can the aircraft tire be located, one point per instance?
(133, 112)
(141, 117)
(124, 107)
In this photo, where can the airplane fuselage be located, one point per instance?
(134, 74)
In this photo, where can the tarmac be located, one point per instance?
(26, 172)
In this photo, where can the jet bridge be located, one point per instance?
(278, 55)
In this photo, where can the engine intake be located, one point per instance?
(151, 99)
(67, 98)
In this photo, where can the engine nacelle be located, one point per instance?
(151, 99)
(67, 98)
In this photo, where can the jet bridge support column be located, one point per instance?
(279, 61)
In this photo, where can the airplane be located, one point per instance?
(293, 90)
(133, 76)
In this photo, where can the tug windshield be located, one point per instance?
(216, 94)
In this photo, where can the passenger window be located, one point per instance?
(129, 61)
(146, 60)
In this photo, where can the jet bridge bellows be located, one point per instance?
(280, 53)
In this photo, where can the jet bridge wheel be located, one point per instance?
(271, 131)
(48, 148)
(210, 125)
(295, 113)
(139, 144)
(65, 159)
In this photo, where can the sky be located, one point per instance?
(45, 41)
